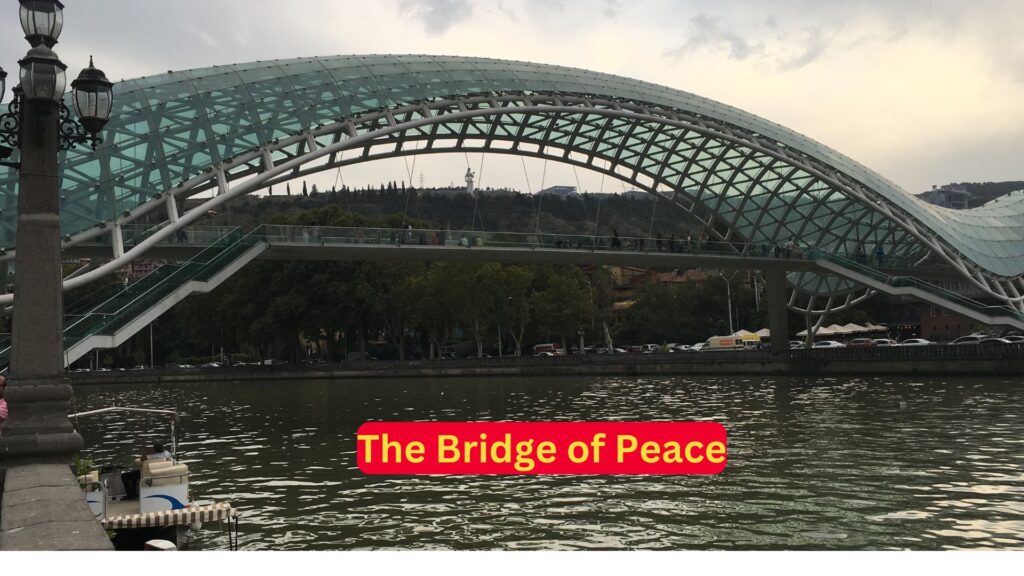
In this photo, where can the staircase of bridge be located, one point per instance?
(902, 282)
(108, 316)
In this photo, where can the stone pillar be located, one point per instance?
(38, 394)
(776, 291)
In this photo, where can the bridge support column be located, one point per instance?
(775, 281)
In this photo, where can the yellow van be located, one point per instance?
(749, 342)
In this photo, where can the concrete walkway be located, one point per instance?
(44, 509)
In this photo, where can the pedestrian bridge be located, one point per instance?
(220, 133)
(234, 130)
(204, 258)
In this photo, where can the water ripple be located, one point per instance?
(834, 464)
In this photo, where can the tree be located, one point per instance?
(473, 289)
(562, 307)
(511, 304)
(434, 310)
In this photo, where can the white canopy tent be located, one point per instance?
(848, 330)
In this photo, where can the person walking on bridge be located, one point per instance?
(880, 255)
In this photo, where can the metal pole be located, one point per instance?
(728, 292)
(152, 358)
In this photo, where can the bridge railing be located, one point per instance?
(134, 234)
(903, 281)
(330, 236)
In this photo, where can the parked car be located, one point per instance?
(796, 344)
(829, 344)
(1015, 339)
(994, 342)
(697, 347)
(650, 348)
(683, 348)
(972, 340)
(859, 343)
(916, 342)
(555, 349)
(885, 342)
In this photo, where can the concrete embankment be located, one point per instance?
(803, 363)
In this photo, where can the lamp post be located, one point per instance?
(728, 293)
(41, 125)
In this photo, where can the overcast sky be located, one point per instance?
(923, 91)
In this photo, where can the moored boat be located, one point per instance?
(152, 500)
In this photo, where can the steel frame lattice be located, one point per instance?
(237, 129)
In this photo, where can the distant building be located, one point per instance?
(680, 277)
(637, 195)
(955, 197)
(560, 191)
(941, 325)
(139, 269)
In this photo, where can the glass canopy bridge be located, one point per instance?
(107, 317)
(217, 134)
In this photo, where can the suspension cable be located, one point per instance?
(477, 212)
(529, 190)
(408, 191)
(654, 210)
(540, 201)
(579, 190)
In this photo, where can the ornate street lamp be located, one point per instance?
(42, 21)
(41, 125)
(93, 97)
(43, 75)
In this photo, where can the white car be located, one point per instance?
(829, 344)
(971, 340)
(697, 347)
(916, 342)
(885, 342)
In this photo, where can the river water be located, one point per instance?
(831, 464)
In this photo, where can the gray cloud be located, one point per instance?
(612, 9)
(437, 16)
(708, 34)
(813, 49)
